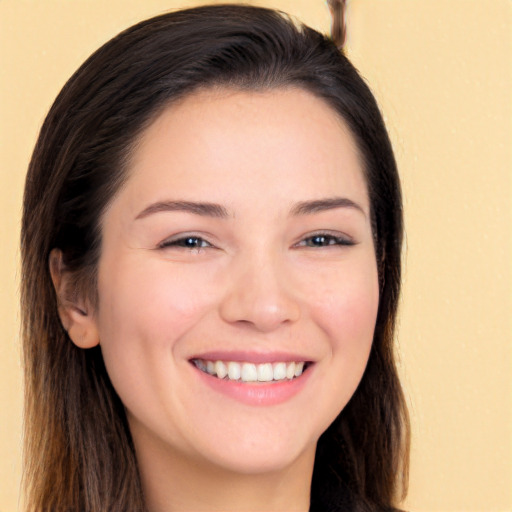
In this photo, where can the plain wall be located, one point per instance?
(442, 71)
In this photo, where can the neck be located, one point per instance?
(173, 482)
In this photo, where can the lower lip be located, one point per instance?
(256, 393)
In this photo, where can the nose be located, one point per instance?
(260, 294)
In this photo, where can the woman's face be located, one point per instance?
(240, 243)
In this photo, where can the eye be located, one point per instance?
(324, 240)
(186, 242)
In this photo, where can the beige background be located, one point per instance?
(442, 70)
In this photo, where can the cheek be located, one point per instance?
(149, 298)
(346, 309)
(144, 311)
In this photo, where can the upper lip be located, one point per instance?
(242, 356)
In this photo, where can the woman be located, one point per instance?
(211, 268)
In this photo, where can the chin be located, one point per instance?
(264, 460)
(248, 452)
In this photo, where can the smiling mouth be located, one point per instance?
(250, 372)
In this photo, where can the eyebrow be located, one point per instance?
(203, 209)
(320, 205)
(219, 211)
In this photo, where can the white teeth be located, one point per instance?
(210, 367)
(220, 369)
(234, 370)
(201, 365)
(265, 372)
(290, 371)
(249, 372)
(279, 371)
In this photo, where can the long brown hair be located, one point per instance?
(78, 450)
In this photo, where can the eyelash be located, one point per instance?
(197, 243)
(325, 240)
(184, 242)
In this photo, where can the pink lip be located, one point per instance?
(255, 393)
(252, 357)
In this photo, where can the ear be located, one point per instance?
(76, 313)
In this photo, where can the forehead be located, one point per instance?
(220, 139)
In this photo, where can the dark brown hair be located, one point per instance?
(78, 450)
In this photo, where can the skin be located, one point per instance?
(255, 280)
